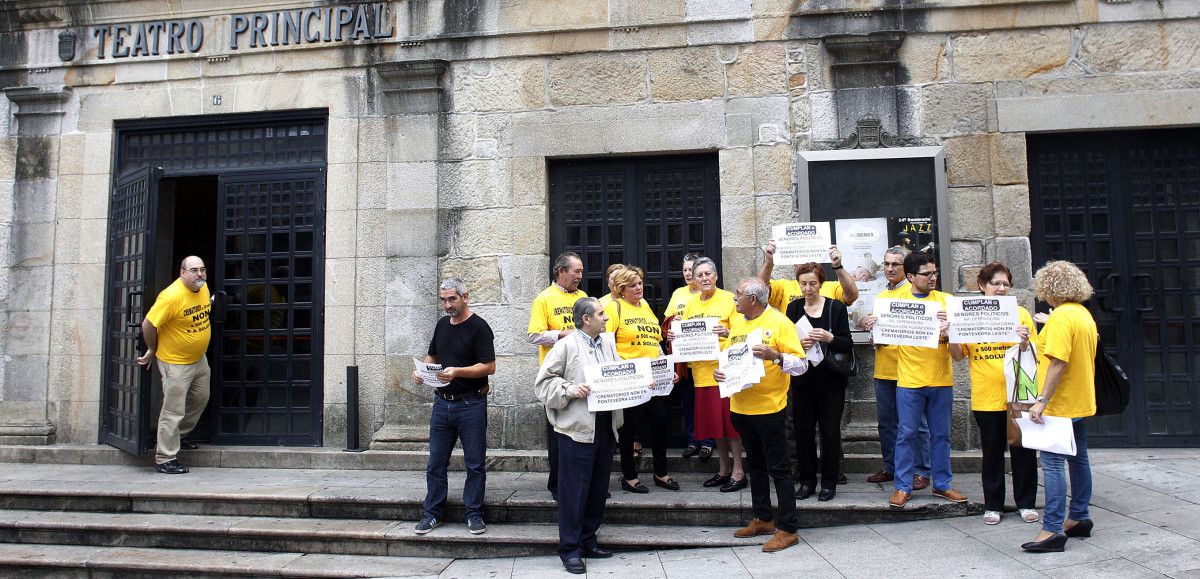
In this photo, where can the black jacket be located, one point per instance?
(834, 318)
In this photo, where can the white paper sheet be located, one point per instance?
(982, 319)
(428, 373)
(906, 323)
(617, 385)
(814, 353)
(694, 340)
(1057, 435)
(663, 371)
(742, 369)
(802, 242)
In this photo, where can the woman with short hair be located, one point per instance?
(989, 405)
(1067, 386)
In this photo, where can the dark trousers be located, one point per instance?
(464, 420)
(993, 435)
(767, 461)
(818, 405)
(582, 487)
(552, 457)
(649, 418)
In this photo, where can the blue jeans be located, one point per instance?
(464, 420)
(932, 405)
(885, 410)
(1056, 484)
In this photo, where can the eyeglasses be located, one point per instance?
(893, 264)
(1002, 284)
(927, 273)
(197, 270)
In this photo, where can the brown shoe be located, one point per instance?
(780, 541)
(920, 482)
(899, 499)
(951, 495)
(880, 477)
(755, 528)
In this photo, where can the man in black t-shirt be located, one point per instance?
(462, 346)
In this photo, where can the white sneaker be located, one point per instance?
(1030, 516)
(991, 518)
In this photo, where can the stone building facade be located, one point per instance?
(440, 135)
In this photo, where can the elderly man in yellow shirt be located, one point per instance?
(550, 320)
(759, 413)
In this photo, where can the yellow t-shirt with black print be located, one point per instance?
(635, 328)
(989, 393)
(770, 394)
(181, 317)
(553, 309)
(721, 309)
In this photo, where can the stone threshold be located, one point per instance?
(331, 458)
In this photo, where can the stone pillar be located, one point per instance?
(409, 103)
(27, 236)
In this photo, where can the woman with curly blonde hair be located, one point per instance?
(1066, 383)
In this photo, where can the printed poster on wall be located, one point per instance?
(863, 243)
(802, 242)
(906, 323)
(981, 320)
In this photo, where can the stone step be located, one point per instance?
(333, 536)
(511, 497)
(69, 561)
(382, 460)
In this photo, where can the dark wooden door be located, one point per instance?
(126, 419)
(1125, 207)
(643, 211)
(271, 272)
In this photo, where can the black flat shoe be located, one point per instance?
(1081, 529)
(735, 485)
(186, 443)
(690, 451)
(804, 491)
(716, 481)
(1052, 544)
(597, 552)
(636, 487)
(826, 495)
(705, 452)
(669, 483)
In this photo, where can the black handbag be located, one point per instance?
(844, 363)
(1112, 384)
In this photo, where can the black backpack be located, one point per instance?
(1112, 384)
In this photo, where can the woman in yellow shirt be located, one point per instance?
(989, 405)
(636, 330)
(1067, 382)
(712, 411)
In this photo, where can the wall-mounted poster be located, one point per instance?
(863, 242)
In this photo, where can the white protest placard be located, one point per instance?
(694, 340)
(1055, 434)
(618, 385)
(428, 373)
(802, 242)
(863, 243)
(742, 370)
(814, 354)
(906, 323)
(984, 319)
(663, 371)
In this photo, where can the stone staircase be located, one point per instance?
(87, 519)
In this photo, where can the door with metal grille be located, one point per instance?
(1125, 207)
(126, 392)
(644, 211)
(271, 259)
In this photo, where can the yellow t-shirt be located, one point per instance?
(679, 300)
(721, 308)
(885, 354)
(988, 391)
(1070, 335)
(635, 328)
(181, 317)
(770, 394)
(605, 300)
(553, 309)
(918, 367)
(786, 291)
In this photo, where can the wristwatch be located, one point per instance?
(837, 267)
(1041, 399)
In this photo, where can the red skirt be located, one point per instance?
(712, 415)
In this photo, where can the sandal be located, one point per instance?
(1030, 516)
(991, 518)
